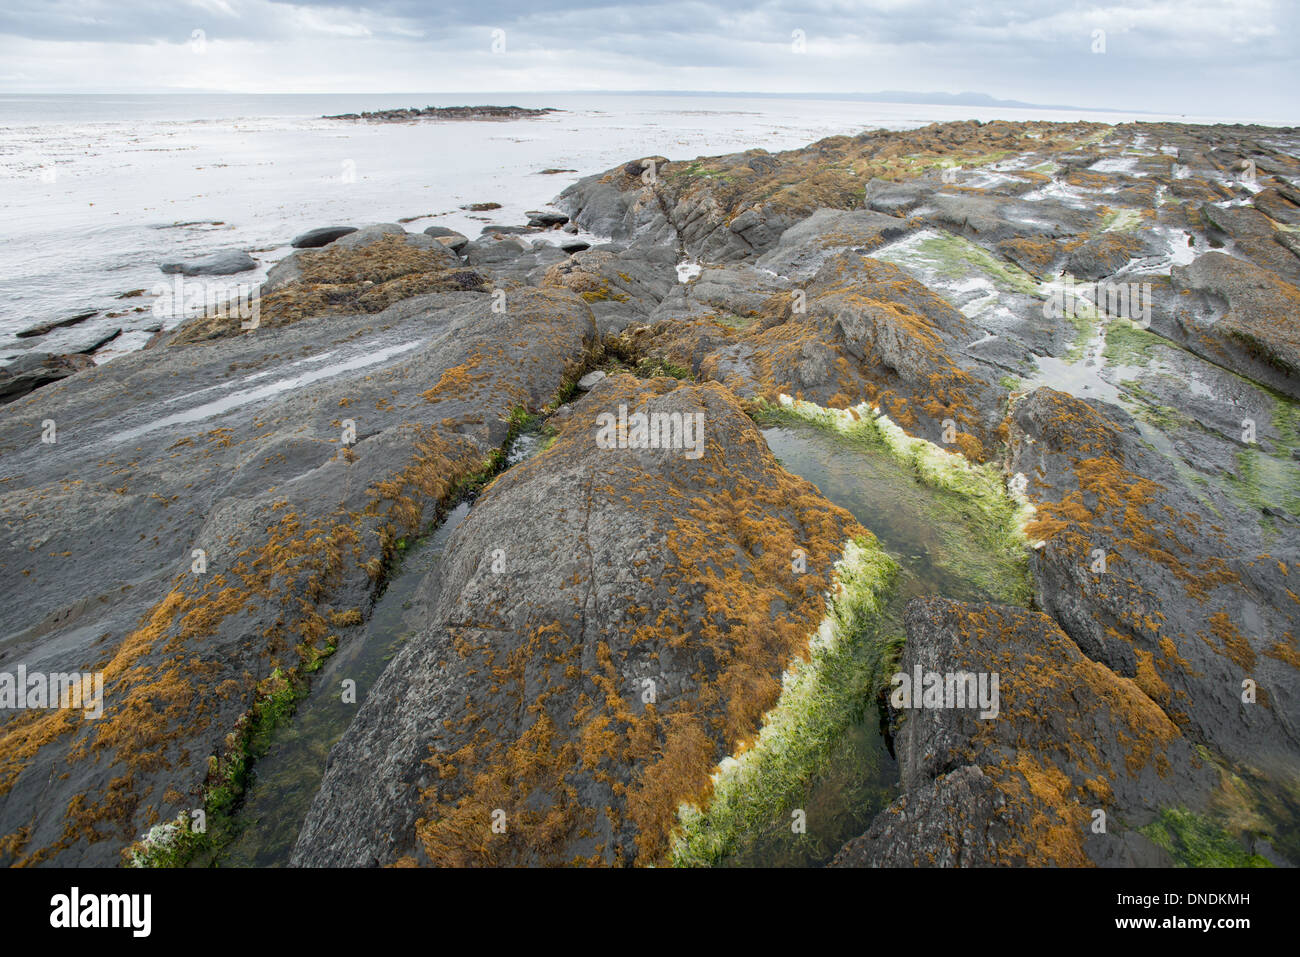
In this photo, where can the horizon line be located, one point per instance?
(991, 101)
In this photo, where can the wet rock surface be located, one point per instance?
(583, 675)
(1186, 593)
(294, 458)
(1102, 318)
(1070, 738)
(321, 236)
(222, 263)
(31, 371)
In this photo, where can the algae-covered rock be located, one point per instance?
(1022, 782)
(736, 207)
(365, 271)
(206, 520)
(611, 623)
(1248, 319)
(860, 330)
(1188, 595)
(219, 512)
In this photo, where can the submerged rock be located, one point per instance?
(47, 327)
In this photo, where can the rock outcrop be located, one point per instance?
(1102, 317)
(211, 516)
(581, 676)
(1074, 761)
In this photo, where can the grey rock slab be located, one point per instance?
(224, 262)
(234, 447)
(321, 236)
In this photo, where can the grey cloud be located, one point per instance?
(1160, 53)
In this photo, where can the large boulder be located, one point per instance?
(608, 628)
(322, 236)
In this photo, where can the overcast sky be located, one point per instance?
(1224, 57)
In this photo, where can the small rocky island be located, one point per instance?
(447, 113)
(677, 548)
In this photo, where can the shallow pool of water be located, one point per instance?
(928, 532)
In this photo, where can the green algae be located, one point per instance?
(696, 169)
(757, 795)
(1270, 478)
(941, 526)
(1148, 408)
(1129, 345)
(1196, 841)
(171, 844)
(954, 258)
(1087, 326)
(1286, 419)
(1265, 481)
(653, 367)
(1121, 221)
(178, 843)
(918, 162)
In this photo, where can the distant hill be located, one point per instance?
(887, 96)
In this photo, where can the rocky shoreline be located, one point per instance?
(1086, 334)
(403, 115)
